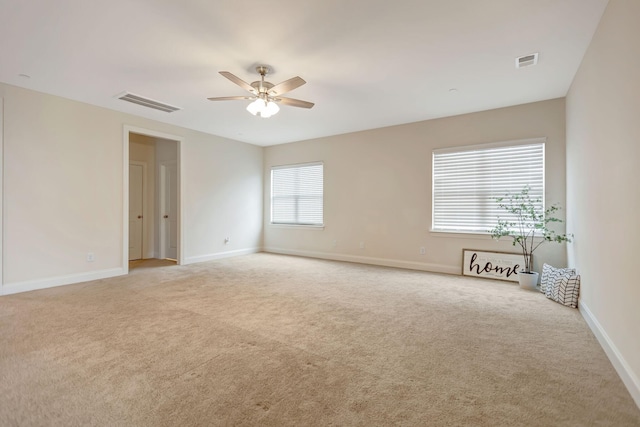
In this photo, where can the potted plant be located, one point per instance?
(528, 227)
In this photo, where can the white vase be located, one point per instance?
(528, 280)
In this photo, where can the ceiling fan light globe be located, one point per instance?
(256, 106)
(272, 108)
(265, 114)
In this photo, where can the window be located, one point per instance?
(467, 180)
(297, 194)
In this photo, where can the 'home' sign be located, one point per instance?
(492, 265)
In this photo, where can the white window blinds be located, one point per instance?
(467, 181)
(297, 194)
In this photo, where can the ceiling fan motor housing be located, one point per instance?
(263, 70)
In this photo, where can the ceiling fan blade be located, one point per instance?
(231, 98)
(237, 80)
(286, 86)
(295, 102)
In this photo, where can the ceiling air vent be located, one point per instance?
(527, 60)
(146, 102)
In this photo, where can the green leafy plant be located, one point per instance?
(528, 226)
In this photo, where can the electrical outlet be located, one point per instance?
(335, 243)
(91, 257)
(227, 240)
(423, 251)
(361, 245)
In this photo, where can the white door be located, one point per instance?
(135, 211)
(169, 193)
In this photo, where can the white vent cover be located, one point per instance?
(146, 102)
(527, 60)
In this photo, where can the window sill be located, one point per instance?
(460, 234)
(470, 235)
(299, 226)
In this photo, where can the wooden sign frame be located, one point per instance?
(492, 265)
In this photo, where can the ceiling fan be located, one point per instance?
(265, 95)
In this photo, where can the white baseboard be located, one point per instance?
(220, 255)
(411, 265)
(629, 378)
(32, 285)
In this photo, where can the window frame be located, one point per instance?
(296, 224)
(485, 146)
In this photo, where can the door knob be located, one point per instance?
(139, 216)
(166, 216)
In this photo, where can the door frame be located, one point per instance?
(145, 210)
(127, 129)
(162, 193)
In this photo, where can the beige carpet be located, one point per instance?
(274, 340)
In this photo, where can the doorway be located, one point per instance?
(152, 203)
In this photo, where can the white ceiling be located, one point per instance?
(367, 63)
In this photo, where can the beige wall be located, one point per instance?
(378, 188)
(603, 152)
(63, 191)
(224, 195)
